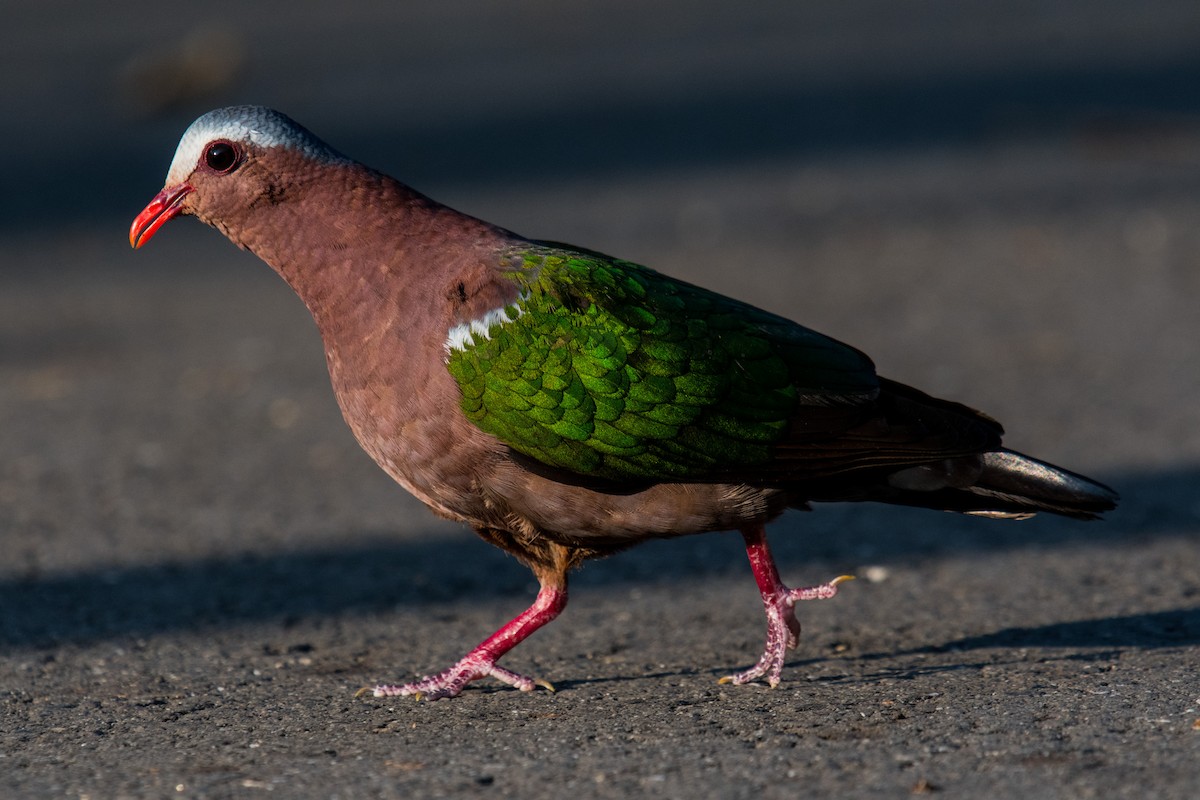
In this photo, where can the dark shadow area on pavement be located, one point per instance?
(1112, 635)
(767, 122)
(1175, 628)
(711, 126)
(286, 587)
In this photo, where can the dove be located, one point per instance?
(566, 404)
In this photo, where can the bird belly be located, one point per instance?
(574, 513)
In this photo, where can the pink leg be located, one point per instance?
(481, 662)
(783, 629)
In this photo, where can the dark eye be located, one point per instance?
(221, 156)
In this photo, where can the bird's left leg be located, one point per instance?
(783, 629)
(481, 662)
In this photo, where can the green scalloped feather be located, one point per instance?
(609, 369)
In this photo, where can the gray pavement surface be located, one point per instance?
(997, 201)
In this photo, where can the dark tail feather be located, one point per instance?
(1024, 484)
(999, 483)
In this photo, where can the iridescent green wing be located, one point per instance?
(611, 370)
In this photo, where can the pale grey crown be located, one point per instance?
(256, 125)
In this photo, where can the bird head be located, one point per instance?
(230, 160)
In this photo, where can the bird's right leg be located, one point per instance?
(783, 629)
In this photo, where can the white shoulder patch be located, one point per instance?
(460, 337)
(256, 125)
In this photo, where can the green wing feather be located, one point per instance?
(611, 370)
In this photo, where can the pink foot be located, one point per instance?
(481, 662)
(783, 629)
(474, 666)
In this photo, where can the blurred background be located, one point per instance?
(997, 200)
(510, 96)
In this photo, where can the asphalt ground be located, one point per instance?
(997, 201)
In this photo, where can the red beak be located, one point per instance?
(165, 205)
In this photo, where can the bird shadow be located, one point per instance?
(1100, 640)
(1174, 628)
(1092, 640)
(381, 575)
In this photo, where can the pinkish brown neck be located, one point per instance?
(360, 243)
